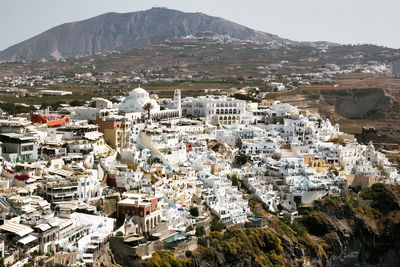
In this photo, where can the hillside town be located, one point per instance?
(141, 173)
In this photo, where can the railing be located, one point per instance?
(74, 230)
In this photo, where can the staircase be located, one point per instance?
(7, 206)
(146, 141)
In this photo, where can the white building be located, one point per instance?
(216, 110)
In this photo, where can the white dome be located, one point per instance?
(136, 100)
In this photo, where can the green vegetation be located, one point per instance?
(216, 147)
(373, 192)
(246, 97)
(240, 160)
(15, 109)
(297, 228)
(189, 228)
(148, 107)
(216, 224)
(370, 212)
(315, 224)
(76, 103)
(167, 259)
(132, 166)
(99, 207)
(200, 231)
(119, 233)
(194, 211)
(238, 142)
(235, 180)
(154, 179)
(382, 199)
(264, 248)
(337, 141)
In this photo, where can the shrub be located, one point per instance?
(76, 103)
(373, 192)
(315, 224)
(154, 179)
(217, 225)
(165, 258)
(194, 211)
(240, 160)
(382, 199)
(200, 231)
(22, 177)
(235, 180)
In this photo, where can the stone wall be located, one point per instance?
(361, 181)
(121, 251)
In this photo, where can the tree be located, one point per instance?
(238, 142)
(194, 211)
(235, 180)
(43, 106)
(148, 107)
(216, 224)
(76, 103)
(200, 231)
(319, 122)
(240, 160)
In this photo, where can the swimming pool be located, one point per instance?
(176, 237)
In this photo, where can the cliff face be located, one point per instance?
(359, 104)
(351, 103)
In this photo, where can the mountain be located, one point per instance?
(116, 31)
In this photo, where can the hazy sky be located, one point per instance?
(342, 21)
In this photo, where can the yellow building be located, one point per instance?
(319, 165)
(267, 103)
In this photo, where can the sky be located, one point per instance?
(341, 21)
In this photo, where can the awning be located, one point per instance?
(16, 228)
(43, 226)
(28, 209)
(27, 239)
(44, 203)
(55, 223)
(61, 172)
(92, 135)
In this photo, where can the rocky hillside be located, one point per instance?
(114, 31)
(349, 230)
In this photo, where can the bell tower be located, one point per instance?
(177, 101)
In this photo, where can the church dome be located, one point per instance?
(136, 100)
